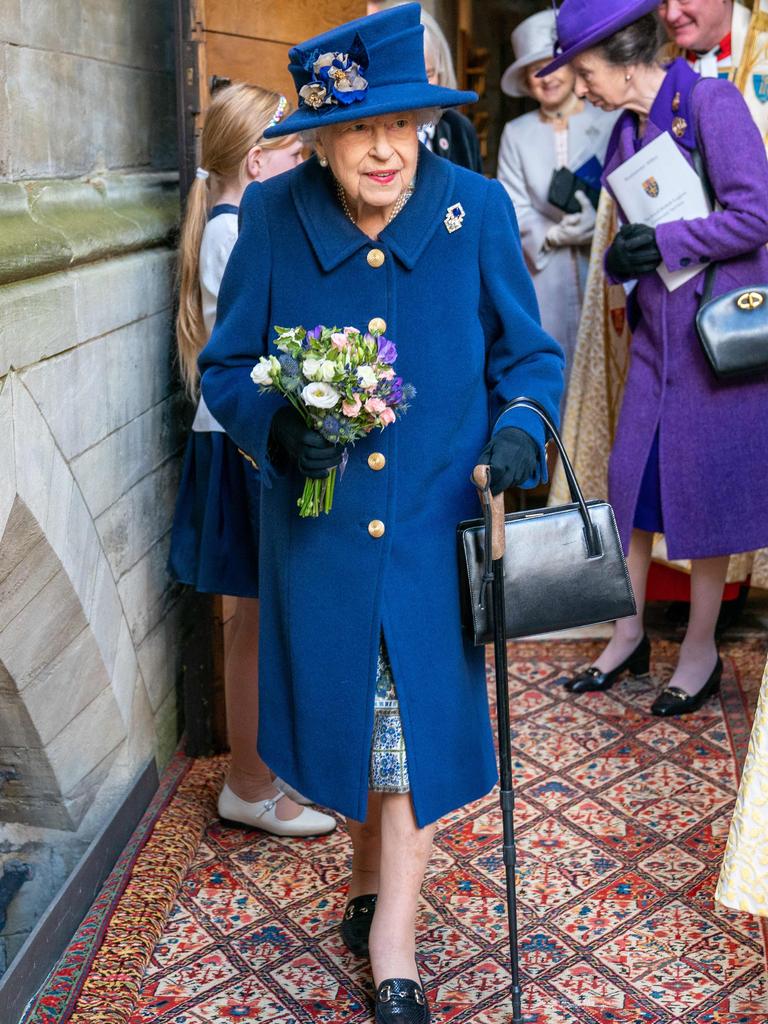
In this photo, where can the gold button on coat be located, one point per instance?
(376, 461)
(375, 258)
(376, 528)
(377, 325)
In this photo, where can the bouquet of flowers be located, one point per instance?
(343, 383)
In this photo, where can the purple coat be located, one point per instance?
(712, 435)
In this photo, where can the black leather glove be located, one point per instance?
(634, 252)
(313, 455)
(513, 457)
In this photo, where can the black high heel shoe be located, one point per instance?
(637, 664)
(401, 1001)
(673, 701)
(356, 923)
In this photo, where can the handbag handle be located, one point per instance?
(700, 168)
(594, 545)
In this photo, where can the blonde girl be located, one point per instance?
(214, 542)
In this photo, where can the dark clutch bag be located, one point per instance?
(563, 566)
(562, 191)
(563, 188)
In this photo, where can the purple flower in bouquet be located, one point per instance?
(395, 395)
(387, 350)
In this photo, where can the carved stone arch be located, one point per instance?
(68, 669)
(52, 681)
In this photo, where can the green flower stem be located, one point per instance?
(317, 496)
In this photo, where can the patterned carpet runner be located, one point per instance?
(621, 822)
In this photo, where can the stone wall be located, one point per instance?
(90, 426)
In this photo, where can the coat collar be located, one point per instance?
(335, 238)
(672, 109)
(674, 100)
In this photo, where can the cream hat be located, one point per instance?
(532, 40)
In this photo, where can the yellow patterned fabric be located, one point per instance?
(743, 883)
(111, 986)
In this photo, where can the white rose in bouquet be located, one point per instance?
(311, 368)
(262, 372)
(327, 370)
(367, 376)
(320, 395)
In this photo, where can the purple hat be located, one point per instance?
(581, 24)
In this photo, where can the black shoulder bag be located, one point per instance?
(563, 566)
(733, 328)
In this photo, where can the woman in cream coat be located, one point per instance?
(743, 883)
(563, 132)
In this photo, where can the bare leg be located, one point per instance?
(405, 850)
(249, 777)
(627, 633)
(366, 849)
(698, 652)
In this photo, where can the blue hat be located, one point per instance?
(582, 24)
(371, 66)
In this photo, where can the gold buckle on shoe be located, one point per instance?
(418, 995)
(677, 693)
(386, 994)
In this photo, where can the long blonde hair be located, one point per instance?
(235, 122)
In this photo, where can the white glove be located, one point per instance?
(574, 228)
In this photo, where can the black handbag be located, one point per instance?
(733, 328)
(563, 187)
(562, 191)
(563, 566)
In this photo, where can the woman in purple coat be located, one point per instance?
(688, 460)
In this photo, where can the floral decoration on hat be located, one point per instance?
(336, 77)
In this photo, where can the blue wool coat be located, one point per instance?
(461, 309)
(713, 482)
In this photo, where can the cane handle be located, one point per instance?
(481, 477)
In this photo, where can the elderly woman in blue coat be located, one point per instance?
(376, 702)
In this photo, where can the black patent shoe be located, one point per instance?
(356, 923)
(673, 701)
(637, 664)
(401, 1001)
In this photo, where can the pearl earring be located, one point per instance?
(627, 78)
(323, 161)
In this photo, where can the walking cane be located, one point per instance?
(494, 526)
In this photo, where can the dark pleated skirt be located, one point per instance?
(215, 536)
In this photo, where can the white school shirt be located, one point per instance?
(218, 241)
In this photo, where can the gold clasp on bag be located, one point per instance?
(750, 300)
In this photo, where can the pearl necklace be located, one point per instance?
(400, 202)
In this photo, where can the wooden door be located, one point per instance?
(243, 41)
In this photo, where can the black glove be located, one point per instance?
(313, 455)
(513, 457)
(634, 251)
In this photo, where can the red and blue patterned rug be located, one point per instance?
(621, 823)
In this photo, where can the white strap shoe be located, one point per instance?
(292, 793)
(261, 814)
